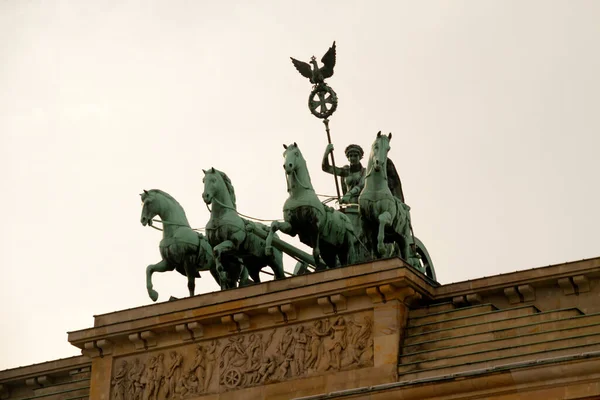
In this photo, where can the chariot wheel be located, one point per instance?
(232, 378)
(425, 259)
(322, 101)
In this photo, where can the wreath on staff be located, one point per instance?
(322, 101)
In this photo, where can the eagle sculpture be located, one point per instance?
(315, 74)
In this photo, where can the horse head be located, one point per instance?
(379, 151)
(211, 185)
(150, 206)
(157, 202)
(217, 186)
(291, 157)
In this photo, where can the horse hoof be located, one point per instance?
(153, 294)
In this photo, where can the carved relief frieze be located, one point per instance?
(294, 351)
(173, 374)
(321, 346)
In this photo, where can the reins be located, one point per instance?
(239, 213)
(300, 183)
(329, 199)
(172, 223)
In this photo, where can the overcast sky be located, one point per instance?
(494, 108)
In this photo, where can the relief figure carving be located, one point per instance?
(198, 368)
(173, 373)
(300, 340)
(338, 343)
(359, 341)
(211, 360)
(160, 379)
(303, 349)
(119, 381)
(187, 385)
(135, 386)
(159, 374)
(315, 354)
(148, 379)
(267, 369)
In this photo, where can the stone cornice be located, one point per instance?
(45, 368)
(536, 277)
(266, 298)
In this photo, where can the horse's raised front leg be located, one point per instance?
(385, 219)
(161, 266)
(284, 227)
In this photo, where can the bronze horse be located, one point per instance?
(327, 231)
(385, 217)
(231, 235)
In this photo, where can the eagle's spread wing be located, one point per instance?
(303, 68)
(328, 61)
(394, 182)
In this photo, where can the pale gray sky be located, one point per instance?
(494, 107)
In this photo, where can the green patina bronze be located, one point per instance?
(385, 216)
(327, 231)
(231, 235)
(322, 101)
(315, 74)
(373, 220)
(353, 175)
(181, 248)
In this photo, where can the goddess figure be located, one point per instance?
(353, 175)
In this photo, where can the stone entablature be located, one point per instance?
(310, 331)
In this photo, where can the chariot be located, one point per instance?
(233, 376)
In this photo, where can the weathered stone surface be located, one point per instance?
(53, 380)
(451, 314)
(482, 326)
(283, 353)
(311, 336)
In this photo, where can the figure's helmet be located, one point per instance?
(354, 148)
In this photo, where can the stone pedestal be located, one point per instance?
(328, 331)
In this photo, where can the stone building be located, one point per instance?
(376, 330)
